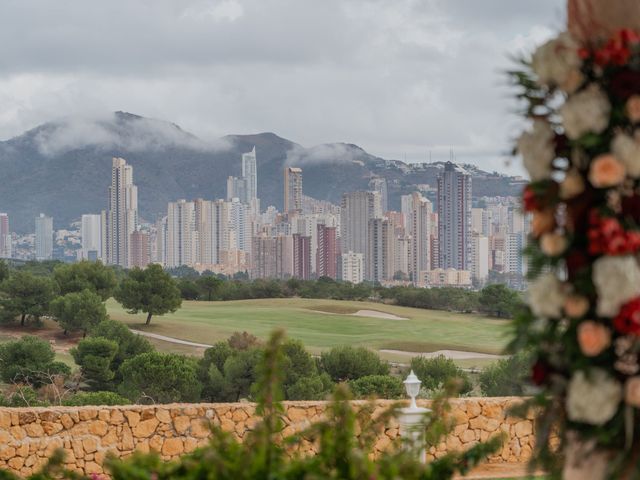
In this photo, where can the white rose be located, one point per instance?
(617, 280)
(557, 63)
(593, 398)
(627, 150)
(547, 296)
(537, 150)
(586, 111)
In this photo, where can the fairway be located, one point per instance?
(322, 324)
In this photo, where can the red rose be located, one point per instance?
(631, 207)
(625, 83)
(628, 319)
(529, 200)
(539, 372)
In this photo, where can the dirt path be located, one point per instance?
(171, 339)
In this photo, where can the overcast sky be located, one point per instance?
(400, 78)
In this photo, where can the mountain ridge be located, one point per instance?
(62, 168)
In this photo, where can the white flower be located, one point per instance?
(547, 296)
(557, 63)
(627, 150)
(593, 398)
(617, 280)
(586, 111)
(537, 150)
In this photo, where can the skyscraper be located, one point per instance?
(454, 217)
(5, 236)
(181, 234)
(357, 209)
(380, 250)
(379, 184)
(44, 237)
(121, 219)
(292, 190)
(418, 216)
(139, 242)
(250, 174)
(91, 231)
(301, 256)
(326, 254)
(352, 267)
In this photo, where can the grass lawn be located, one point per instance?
(322, 324)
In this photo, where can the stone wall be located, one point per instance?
(87, 434)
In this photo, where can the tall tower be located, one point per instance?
(5, 236)
(379, 184)
(181, 234)
(380, 250)
(292, 189)
(250, 174)
(301, 256)
(121, 219)
(454, 217)
(44, 237)
(357, 209)
(326, 254)
(91, 237)
(419, 228)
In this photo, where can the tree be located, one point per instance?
(188, 289)
(499, 300)
(209, 284)
(27, 295)
(79, 311)
(380, 386)
(436, 372)
(29, 360)
(350, 363)
(151, 290)
(314, 387)
(210, 368)
(507, 377)
(95, 398)
(85, 275)
(94, 356)
(4, 270)
(240, 372)
(161, 377)
(243, 340)
(129, 344)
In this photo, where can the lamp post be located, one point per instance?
(412, 418)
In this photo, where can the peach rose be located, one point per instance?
(573, 81)
(553, 244)
(606, 171)
(593, 338)
(632, 391)
(576, 306)
(572, 185)
(543, 221)
(633, 108)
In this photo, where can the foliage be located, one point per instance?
(27, 295)
(435, 372)
(79, 310)
(499, 301)
(507, 377)
(29, 360)
(85, 275)
(94, 356)
(129, 344)
(350, 363)
(4, 271)
(150, 290)
(95, 398)
(380, 386)
(242, 341)
(209, 285)
(161, 378)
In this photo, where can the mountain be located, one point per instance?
(63, 168)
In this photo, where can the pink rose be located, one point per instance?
(593, 338)
(576, 306)
(633, 108)
(632, 392)
(606, 171)
(553, 244)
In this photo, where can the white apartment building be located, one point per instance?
(352, 267)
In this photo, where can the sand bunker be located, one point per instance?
(453, 354)
(376, 314)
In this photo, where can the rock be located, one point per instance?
(473, 409)
(92, 467)
(89, 445)
(34, 430)
(66, 421)
(26, 417)
(7, 452)
(295, 414)
(172, 447)
(155, 443)
(145, 428)
(468, 436)
(116, 417)
(98, 427)
(88, 413)
(181, 424)
(163, 415)
(199, 428)
(523, 429)
(132, 417)
(16, 463)
(5, 420)
(493, 410)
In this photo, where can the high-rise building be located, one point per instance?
(250, 174)
(357, 209)
(418, 215)
(91, 232)
(379, 184)
(272, 256)
(181, 234)
(292, 190)
(479, 257)
(139, 243)
(301, 256)
(5, 236)
(454, 217)
(237, 188)
(44, 237)
(121, 218)
(326, 253)
(352, 267)
(380, 250)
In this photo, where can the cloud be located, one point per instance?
(336, 152)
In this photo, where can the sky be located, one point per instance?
(403, 79)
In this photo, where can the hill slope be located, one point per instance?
(63, 168)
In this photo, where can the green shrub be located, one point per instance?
(380, 386)
(95, 398)
(29, 360)
(507, 377)
(350, 363)
(437, 371)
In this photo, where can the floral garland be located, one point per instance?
(582, 152)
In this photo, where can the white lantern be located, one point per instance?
(412, 387)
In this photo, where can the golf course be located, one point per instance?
(396, 332)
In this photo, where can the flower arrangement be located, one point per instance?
(582, 152)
